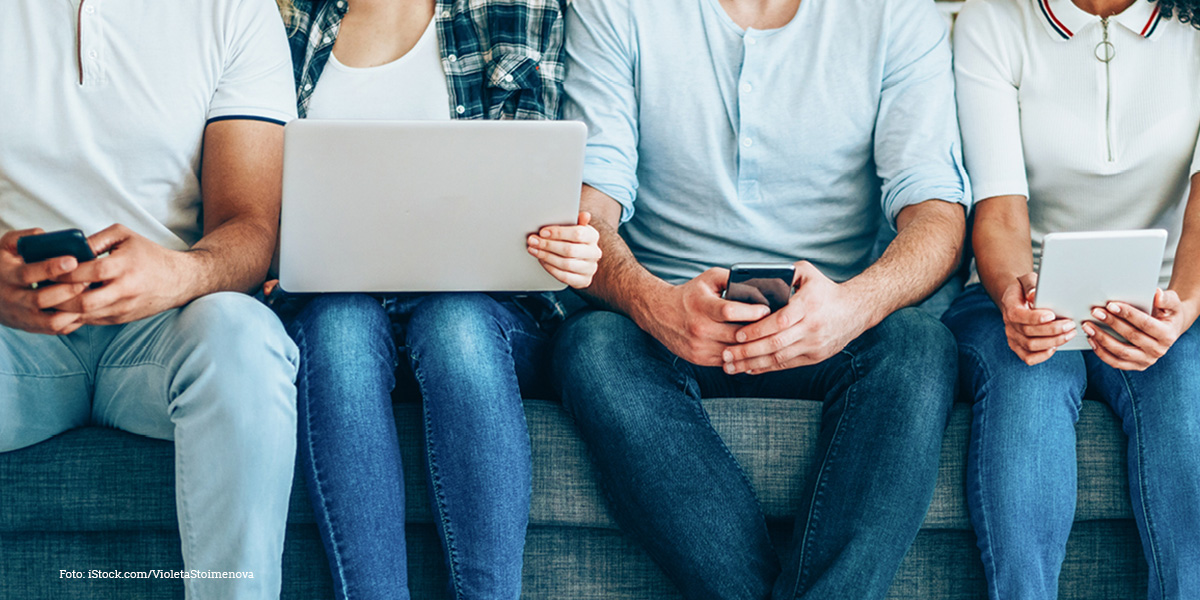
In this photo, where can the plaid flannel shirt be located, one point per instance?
(502, 58)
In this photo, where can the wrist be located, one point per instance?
(187, 276)
(1189, 309)
(862, 314)
(644, 306)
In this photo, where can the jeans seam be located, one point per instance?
(435, 484)
(323, 503)
(810, 529)
(990, 559)
(1134, 411)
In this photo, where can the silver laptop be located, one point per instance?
(374, 206)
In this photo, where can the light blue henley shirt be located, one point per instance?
(726, 145)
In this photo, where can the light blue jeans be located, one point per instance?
(1021, 470)
(217, 378)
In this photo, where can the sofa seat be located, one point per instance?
(96, 498)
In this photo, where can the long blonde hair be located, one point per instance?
(287, 9)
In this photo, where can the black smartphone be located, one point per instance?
(45, 246)
(761, 283)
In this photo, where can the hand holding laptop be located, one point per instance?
(569, 253)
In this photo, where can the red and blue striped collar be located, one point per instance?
(1063, 19)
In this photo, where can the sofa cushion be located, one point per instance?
(96, 479)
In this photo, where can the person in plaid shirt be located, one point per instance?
(472, 355)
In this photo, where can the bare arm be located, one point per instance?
(691, 320)
(1185, 278)
(824, 316)
(1151, 336)
(241, 180)
(926, 251)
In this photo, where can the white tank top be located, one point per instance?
(410, 88)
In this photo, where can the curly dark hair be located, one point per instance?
(1185, 11)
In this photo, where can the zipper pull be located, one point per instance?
(1105, 51)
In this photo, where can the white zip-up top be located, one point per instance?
(1094, 120)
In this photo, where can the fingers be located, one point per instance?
(50, 323)
(564, 249)
(52, 296)
(1042, 344)
(585, 218)
(577, 234)
(781, 320)
(760, 354)
(574, 280)
(27, 275)
(1028, 284)
(1109, 350)
(1051, 329)
(1138, 328)
(95, 271)
(806, 271)
(727, 311)
(107, 239)
(1167, 302)
(1020, 314)
(1114, 353)
(8, 242)
(1035, 358)
(577, 266)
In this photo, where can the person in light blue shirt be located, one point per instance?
(727, 131)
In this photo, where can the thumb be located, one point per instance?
(584, 218)
(106, 240)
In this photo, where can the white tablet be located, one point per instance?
(1084, 270)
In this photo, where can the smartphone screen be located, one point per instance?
(761, 283)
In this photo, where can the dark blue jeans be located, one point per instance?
(472, 356)
(674, 486)
(1021, 469)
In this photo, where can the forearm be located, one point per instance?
(621, 283)
(1001, 242)
(232, 257)
(1185, 277)
(926, 251)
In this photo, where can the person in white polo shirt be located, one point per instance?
(1079, 115)
(154, 127)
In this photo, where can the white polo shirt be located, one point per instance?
(103, 123)
(1093, 145)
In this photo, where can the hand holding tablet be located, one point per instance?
(1083, 273)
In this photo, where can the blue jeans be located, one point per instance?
(673, 485)
(1021, 476)
(472, 356)
(214, 376)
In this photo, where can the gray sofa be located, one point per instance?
(101, 499)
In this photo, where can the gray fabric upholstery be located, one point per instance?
(101, 499)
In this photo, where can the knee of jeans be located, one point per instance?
(592, 343)
(918, 358)
(341, 324)
(237, 334)
(917, 347)
(239, 352)
(593, 354)
(460, 326)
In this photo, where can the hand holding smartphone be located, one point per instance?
(45, 246)
(761, 283)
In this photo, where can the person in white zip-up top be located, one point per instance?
(1079, 116)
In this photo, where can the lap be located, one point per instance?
(45, 386)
